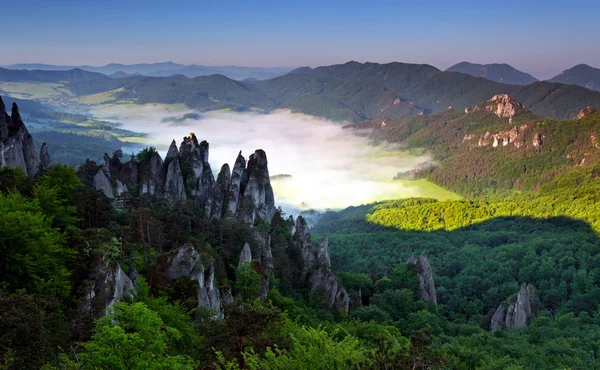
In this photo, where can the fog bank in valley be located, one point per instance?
(329, 167)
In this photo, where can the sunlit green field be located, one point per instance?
(100, 98)
(33, 90)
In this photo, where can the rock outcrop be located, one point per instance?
(108, 284)
(245, 255)
(425, 278)
(324, 283)
(185, 262)
(100, 182)
(586, 112)
(518, 313)
(257, 200)
(502, 105)
(45, 160)
(16, 143)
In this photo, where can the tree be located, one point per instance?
(132, 337)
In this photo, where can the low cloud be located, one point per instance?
(330, 167)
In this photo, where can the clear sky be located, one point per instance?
(539, 37)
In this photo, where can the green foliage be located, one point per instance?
(311, 348)
(32, 255)
(248, 281)
(133, 337)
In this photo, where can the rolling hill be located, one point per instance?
(73, 75)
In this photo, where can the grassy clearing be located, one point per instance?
(100, 98)
(32, 90)
(428, 189)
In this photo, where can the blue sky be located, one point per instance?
(539, 37)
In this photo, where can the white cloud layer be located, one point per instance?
(330, 167)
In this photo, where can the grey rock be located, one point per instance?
(245, 255)
(174, 186)
(16, 144)
(45, 160)
(218, 196)
(323, 253)
(235, 189)
(258, 201)
(173, 151)
(303, 242)
(497, 322)
(520, 312)
(112, 284)
(151, 175)
(100, 182)
(425, 277)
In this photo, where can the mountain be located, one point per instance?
(166, 69)
(497, 146)
(503, 73)
(582, 75)
(72, 75)
(434, 91)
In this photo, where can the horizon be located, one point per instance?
(271, 35)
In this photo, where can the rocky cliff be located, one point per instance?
(586, 112)
(16, 144)
(518, 312)
(502, 105)
(425, 278)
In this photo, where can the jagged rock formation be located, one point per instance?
(245, 192)
(258, 201)
(16, 143)
(425, 278)
(502, 105)
(314, 267)
(586, 112)
(108, 284)
(323, 281)
(522, 136)
(185, 262)
(518, 313)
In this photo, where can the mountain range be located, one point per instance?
(352, 91)
(164, 69)
(345, 92)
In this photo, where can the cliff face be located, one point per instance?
(16, 143)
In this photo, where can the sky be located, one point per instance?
(539, 37)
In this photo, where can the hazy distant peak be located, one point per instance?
(582, 75)
(499, 72)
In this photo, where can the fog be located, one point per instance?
(330, 167)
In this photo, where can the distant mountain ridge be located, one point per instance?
(165, 69)
(503, 73)
(582, 75)
(73, 75)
